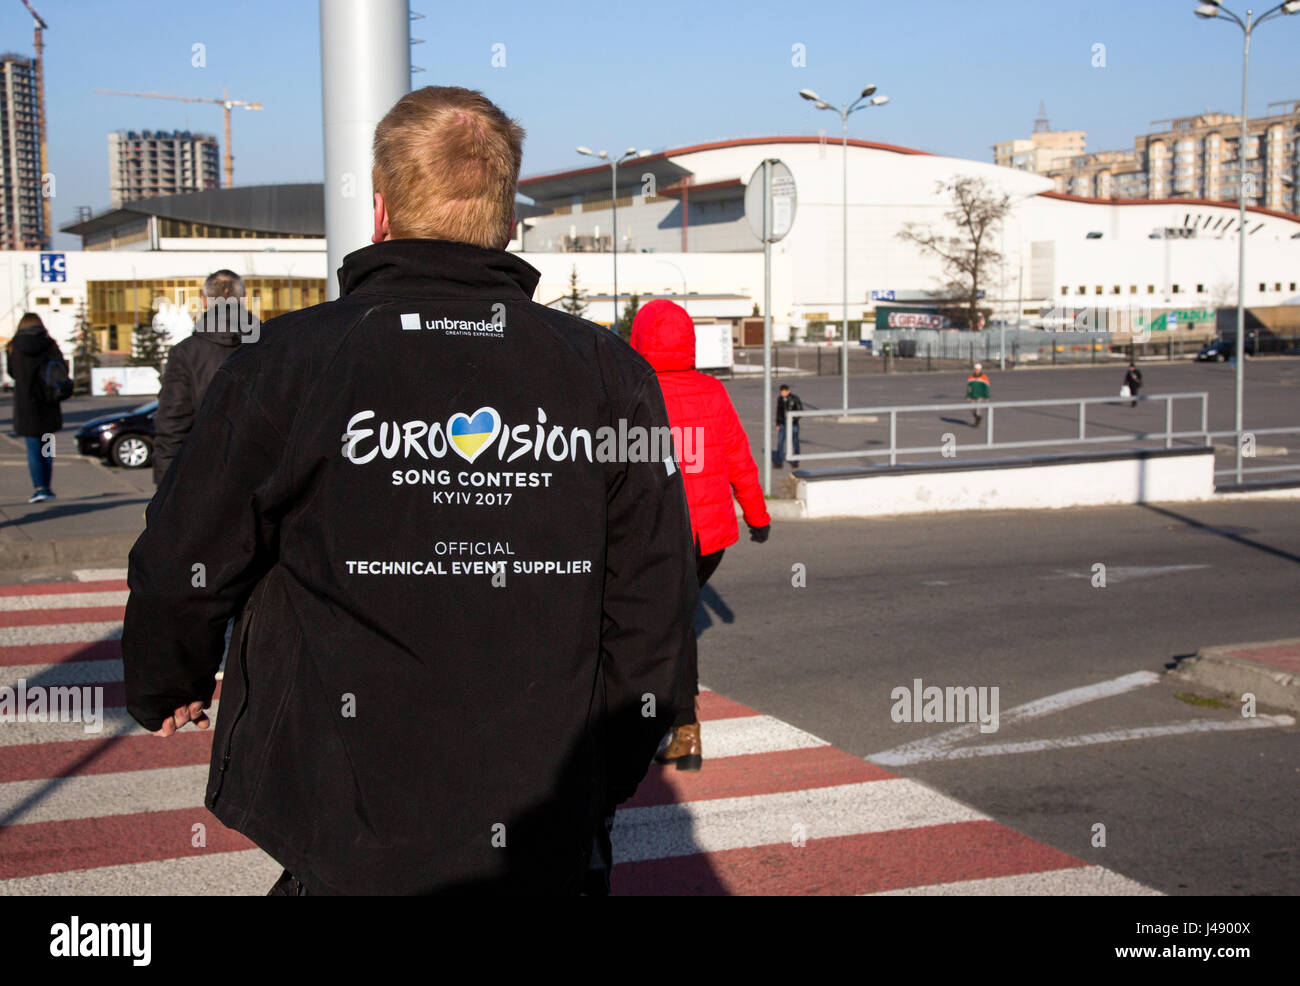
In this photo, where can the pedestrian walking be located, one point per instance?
(460, 629)
(1132, 384)
(786, 402)
(716, 463)
(41, 382)
(192, 362)
(977, 392)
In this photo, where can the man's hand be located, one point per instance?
(186, 713)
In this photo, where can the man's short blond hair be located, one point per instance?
(447, 164)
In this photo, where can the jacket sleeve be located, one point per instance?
(209, 536)
(175, 414)
(648, 606)
(742, 472)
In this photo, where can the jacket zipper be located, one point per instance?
(245, 633)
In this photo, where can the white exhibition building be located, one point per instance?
(682, 234)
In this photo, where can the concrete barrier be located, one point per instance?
(1156, 475)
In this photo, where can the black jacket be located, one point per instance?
(191, 364)
(385, 729)
(28, 353)
(784, 405)
(1133, 380)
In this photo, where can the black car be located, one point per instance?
(1222, 350)
(124, 439)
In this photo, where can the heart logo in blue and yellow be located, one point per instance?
(470, 435)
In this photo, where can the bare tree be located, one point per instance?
(969, 258)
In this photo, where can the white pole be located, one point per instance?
(844, 250)
(1241, 244)
(767, 325)
(365, 48)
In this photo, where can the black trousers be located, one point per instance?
(705, 566)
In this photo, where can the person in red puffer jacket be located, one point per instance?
(714, 455)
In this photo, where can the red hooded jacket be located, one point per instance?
(714, 450)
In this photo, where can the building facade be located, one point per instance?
(1044, 150)
(1198, 157)
(22, 223)
(146, 163)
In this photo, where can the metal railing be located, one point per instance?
(1168, 435)
(1252, 470)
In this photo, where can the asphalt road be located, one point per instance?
(1007, 600)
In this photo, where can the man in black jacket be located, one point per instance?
(461, 606)
(192, 362)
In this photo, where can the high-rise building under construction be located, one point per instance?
(22, 223)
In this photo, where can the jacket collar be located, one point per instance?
(420, 268)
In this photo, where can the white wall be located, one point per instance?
(1032, 487)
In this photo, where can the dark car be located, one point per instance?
(124, 439)
(1222, 350)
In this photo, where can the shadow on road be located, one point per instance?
(1221, 532)
(70, 509)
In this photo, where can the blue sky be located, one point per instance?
(960, 75)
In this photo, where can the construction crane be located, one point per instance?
(225, 102)
(40, 116)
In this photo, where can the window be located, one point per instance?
(1115, 289)
(1132, 289)
(1277, 286)
(1065, 289)
(1151, 289)
(1292, 288)
(1262, 286)
(1200, 289)
(1097, 289)
(1176, 290)
(42, 301)
(1082, 290)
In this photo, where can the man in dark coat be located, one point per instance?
(192, 362)
(1133, 381)
(463, 599)
(36, 418)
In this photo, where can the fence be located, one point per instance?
(1201, 436)
(990, 408)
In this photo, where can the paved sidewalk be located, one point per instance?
(96, 516)
(1270, 671)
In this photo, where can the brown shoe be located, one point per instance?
(683, 748)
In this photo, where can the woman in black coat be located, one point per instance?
(35, 418)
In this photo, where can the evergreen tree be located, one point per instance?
(85, 351)
(150, 343)
(624, 324)
(573, 303)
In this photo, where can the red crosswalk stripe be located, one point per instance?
(81, 813)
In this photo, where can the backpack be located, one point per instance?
(53, 383)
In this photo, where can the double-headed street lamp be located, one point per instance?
(613, 164)
(1210, 10)
(845, 111)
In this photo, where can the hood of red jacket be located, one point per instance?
(664, 334)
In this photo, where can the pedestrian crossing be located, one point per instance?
(775, 810)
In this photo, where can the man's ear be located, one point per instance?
(382, 231)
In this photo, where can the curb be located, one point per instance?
(30, 557)
(1217, 669)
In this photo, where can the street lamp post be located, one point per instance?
(1211, 10)
(845, 111)
(682, 275)
(613, 201)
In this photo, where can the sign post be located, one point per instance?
(770, 203)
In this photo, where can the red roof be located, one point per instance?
(718, 145)
(1225, 203)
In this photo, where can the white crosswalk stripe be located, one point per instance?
(111, 812)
